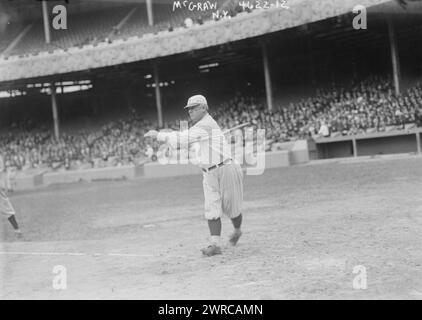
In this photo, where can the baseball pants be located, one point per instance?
(5, 205)
(223, 191)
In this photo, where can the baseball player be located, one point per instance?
(222, 175)
(6, 207)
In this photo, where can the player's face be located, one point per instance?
(196, 113)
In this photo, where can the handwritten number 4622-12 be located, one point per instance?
(258, 4)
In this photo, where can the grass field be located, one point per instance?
(305, 229)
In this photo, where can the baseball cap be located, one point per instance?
(196, 100)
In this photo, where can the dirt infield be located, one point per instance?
(305, 229)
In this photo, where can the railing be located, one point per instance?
(395, 141)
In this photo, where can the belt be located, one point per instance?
(227, 161)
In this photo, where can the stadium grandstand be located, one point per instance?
(84, 96)
(92, 22)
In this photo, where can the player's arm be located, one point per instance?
(179, 139)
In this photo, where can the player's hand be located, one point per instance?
(151, 133)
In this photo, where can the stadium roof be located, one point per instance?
(334, 35)
(330, 34)
(30, 9)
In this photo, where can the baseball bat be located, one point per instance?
(239, 126)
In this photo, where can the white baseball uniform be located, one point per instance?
(222, 175)
(5, 205)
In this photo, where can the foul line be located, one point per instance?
(87, 254)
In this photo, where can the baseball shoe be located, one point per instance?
(211, 250)
(235, 237)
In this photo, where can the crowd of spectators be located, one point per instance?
(344, 109)
(358, 107)
(117, 143)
